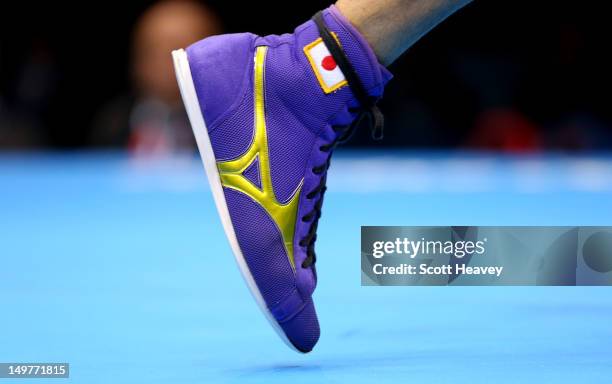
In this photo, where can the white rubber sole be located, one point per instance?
(192, 105)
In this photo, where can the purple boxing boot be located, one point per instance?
(267, 113)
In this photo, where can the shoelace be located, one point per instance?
(367, 109)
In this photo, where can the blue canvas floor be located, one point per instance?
(120, 267)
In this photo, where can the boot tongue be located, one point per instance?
(372, 74)
(318, 59)
(367, 73)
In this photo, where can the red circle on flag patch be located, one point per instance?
(328, 63)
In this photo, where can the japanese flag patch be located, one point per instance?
(326, 70)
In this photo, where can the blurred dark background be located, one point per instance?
(503, 75)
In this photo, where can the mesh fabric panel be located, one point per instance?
(262, 247)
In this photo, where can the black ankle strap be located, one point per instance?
(367, 102)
